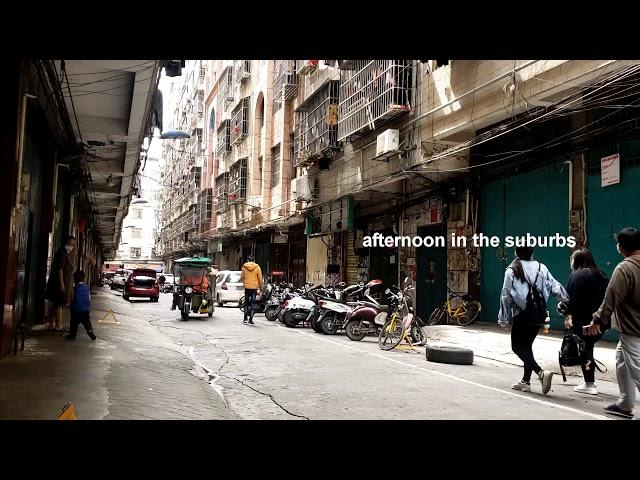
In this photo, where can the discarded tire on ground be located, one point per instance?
(446, 354)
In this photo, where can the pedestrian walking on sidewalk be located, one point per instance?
(586, 287)
(58, 290)
(527, 284)
(251, 277)
(623, 298)
(80, 307)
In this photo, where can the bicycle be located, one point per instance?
(463, 315)
(401, 327)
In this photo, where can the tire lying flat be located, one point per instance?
(447, 354)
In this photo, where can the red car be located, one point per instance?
(142, 282)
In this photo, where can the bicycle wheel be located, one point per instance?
(437, 317)
(391, 334)
(471, 310)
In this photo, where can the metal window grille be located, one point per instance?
(373, 92)
(285, 80)
(240, 120)
(241, 71)
(238, 181)
(222, 192)
(316, 128)
(225, 88)
(205, 209)
(275, 166)
(224, 138)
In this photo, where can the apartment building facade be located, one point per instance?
(307, 157)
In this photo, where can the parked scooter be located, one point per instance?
(262, 299)
(274, 304)
(336, 312)
(297, 309)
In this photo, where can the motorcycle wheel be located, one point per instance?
(418, 336)
(315, 325)
(271, 313)
(351, 326)
(288, 320)
(184, 315)
(329, 324)
(241, 303)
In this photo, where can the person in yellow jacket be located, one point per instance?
(251, 277)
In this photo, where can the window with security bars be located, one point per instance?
(225, 88)
(275, 166)
(204, 210)
(136, 233)
(240, 120)
(316, 127)
(222, 192)
(241, 70)
(224, 138)
(137, 213)
(135, 252)
(373, 92)
(238, 181)
(285, 80)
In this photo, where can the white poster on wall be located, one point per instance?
(610, 167)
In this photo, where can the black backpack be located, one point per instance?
(573, 352)
(535, 312)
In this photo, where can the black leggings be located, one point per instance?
(522, 336)
(590, 341)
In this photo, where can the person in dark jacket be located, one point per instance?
(80, 307)
(58, 289)
(586, 287)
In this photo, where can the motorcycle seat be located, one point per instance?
(383, 308)
(336, 300)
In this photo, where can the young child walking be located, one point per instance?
(80, 307)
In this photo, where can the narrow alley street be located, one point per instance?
(153, 365)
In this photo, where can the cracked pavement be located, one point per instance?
(153, 365)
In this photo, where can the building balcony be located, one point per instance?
(373, 92)
(240, 121)
(238, 181)
(241, 71)
(223, 134)
(222, 192)
(316, 125)
(285, 80)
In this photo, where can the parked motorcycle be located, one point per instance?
(262, 299)
(336, 312)
(297, 309)
(274, 303)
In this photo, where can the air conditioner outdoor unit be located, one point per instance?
(388, 141)
(303, 187)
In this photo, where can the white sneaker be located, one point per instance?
(588, 388)
(545, 378)
(523, 387)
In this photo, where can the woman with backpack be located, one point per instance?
(523, 305)
(586, 288)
